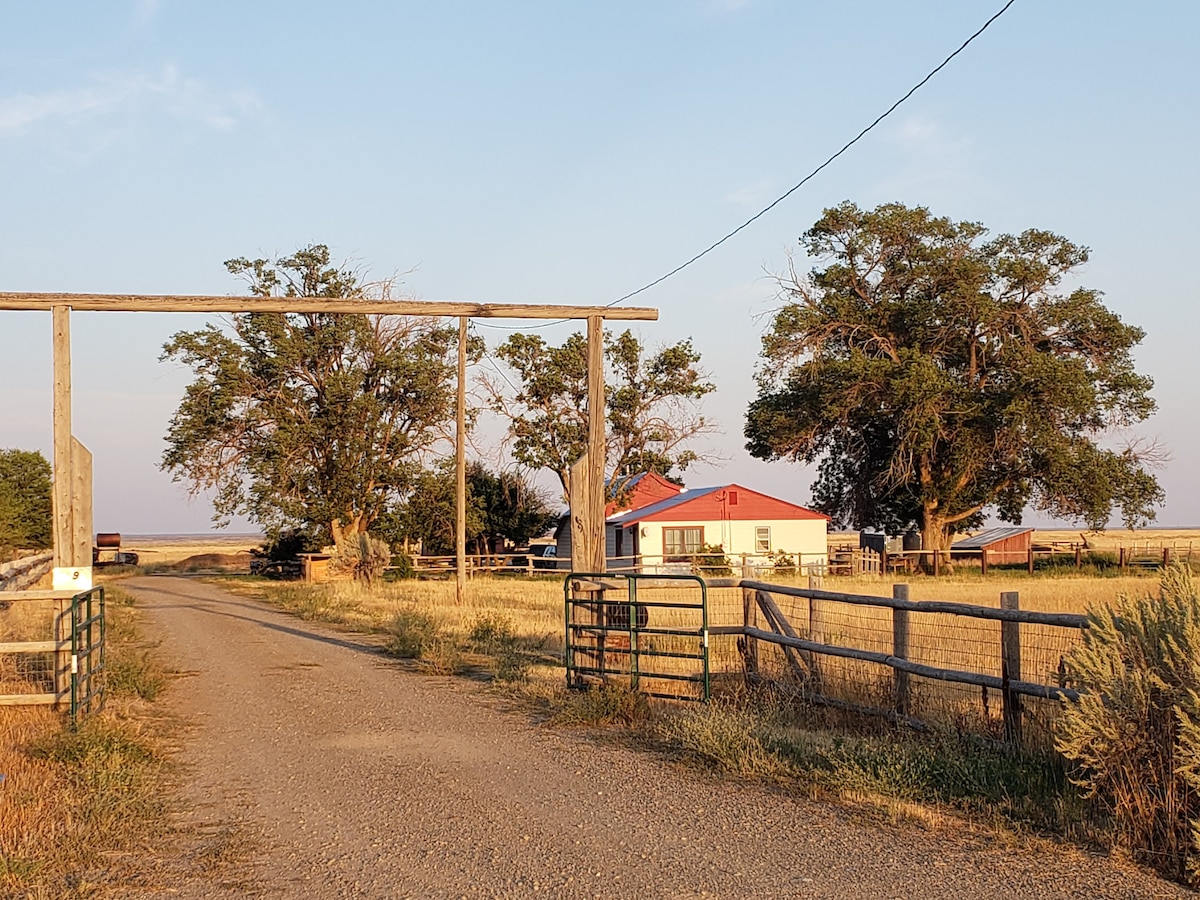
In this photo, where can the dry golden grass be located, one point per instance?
(168, 549)
(68, 796)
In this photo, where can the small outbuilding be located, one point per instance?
(1002, 545)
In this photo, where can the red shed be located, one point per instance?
(1003, 545)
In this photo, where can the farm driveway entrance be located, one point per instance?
(316, 768)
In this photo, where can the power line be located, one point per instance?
(803, 181)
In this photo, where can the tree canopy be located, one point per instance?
(652, 405)
(938, 376)
(26, 521)
(501, 506)
(310, 422)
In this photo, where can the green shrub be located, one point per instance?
(1132, 732)
(611, 703)
(362, 556)
(412, 634)
(712, 562)
(784, 563)
(722, 735)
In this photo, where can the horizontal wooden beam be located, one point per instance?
(28, 699)
(164, 303)
(34, 646)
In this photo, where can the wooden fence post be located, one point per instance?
(1030, 560)
(750, 644)
(983, 561)
(1010, 669)
(1121, 558)
(1078, 557)
(900, 648)
(1166, 556)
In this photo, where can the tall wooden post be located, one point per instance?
(1010, 668)
(597, 448)
(460, 468)
(900, 647)
(62, 437)
(587, 475)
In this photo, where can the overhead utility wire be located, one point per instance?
(807, 178)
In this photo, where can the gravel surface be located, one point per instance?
(316, 768)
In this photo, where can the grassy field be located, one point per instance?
(73, 801)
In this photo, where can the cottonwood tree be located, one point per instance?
(25, 501)
(501, 506)
(938, 376)
(651, 405)
(312, 423)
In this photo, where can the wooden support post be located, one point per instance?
(1166, 556)
(597, 445)
(1078, 557)
(983, 561)
(749, 645)
(460, 469)
(900, 648)
(1010, 669)
(1030, 566)
(1121, 558)
(587, 475)
(63, 538)
(81, 514)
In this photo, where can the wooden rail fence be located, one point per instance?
(57, 648)
(804, 646)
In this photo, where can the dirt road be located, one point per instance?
(318, 769)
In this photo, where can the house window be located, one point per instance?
(681, 543)
(762, 539)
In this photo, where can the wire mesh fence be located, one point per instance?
(857, 652)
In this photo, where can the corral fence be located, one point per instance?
(848, 560)
(711, 565)
(52, 650)
(997, 672)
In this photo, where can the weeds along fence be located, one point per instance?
(997, 672)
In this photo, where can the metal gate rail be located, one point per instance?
(608, 638)
(87, 653)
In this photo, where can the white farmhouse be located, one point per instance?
(739, 520)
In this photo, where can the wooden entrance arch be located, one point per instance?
(72, 462)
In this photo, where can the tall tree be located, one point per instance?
(501, 506)
(652, 405)
(938, 376)
(25, 501)
(309, 421)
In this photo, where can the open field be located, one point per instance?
(168, 549)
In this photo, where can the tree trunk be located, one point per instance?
(935, 535)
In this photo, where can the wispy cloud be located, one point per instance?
(756, 194)
(166, 90)
(930, 160)
(145, 10)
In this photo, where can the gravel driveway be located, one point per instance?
(316, 768)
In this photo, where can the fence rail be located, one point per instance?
(56, 651)
(821, 630)
(21, 573)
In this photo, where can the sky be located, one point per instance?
(539, 152)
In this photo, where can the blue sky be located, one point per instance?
(566, 153)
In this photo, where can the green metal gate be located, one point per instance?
(87, 653)
(651, 630)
